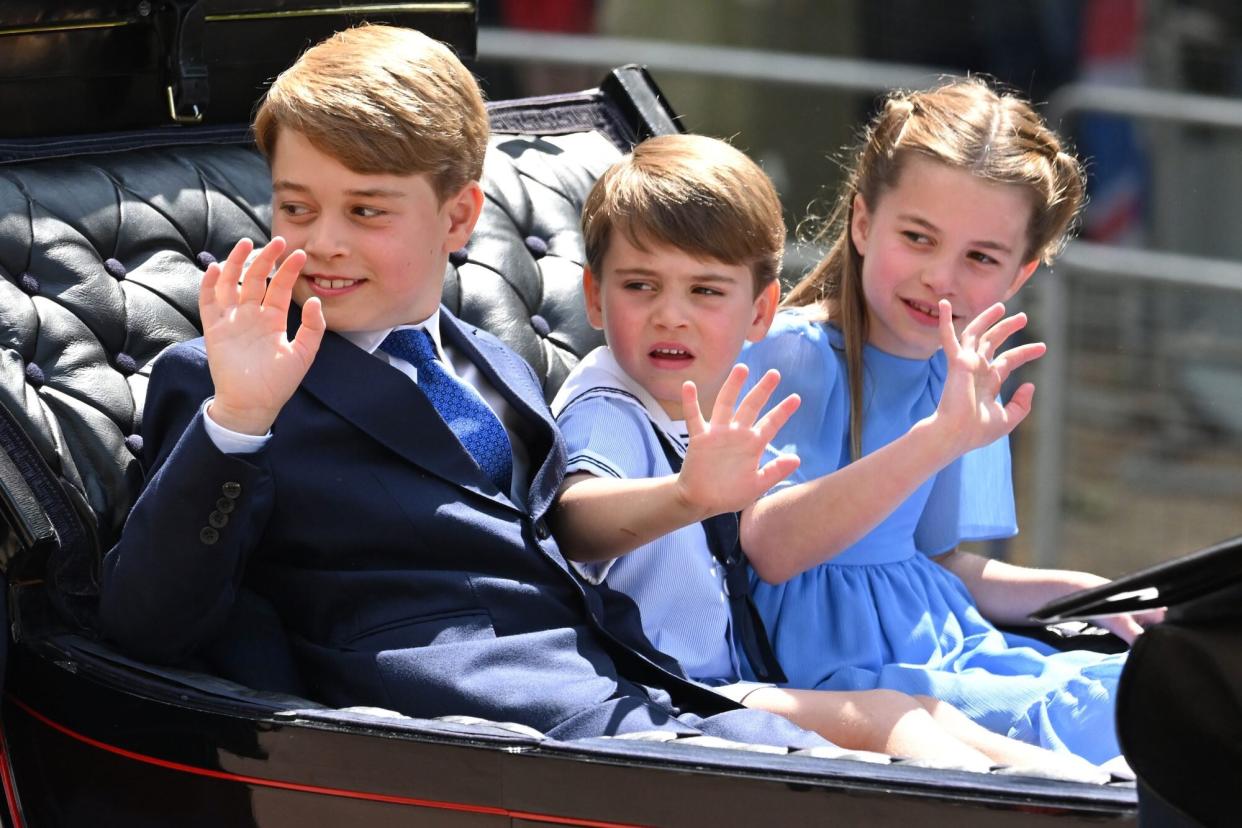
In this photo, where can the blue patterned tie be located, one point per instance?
(475, 424)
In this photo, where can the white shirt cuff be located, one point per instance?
(229, 441)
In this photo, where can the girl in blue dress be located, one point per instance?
(956, 195)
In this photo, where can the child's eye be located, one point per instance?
(916, 237)
(369, 212)
(983, 258)
(645, 286)
(707, 291)
(293, 209)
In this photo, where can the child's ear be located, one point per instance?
(1024, 273)
(594, 302)
(462, 212)
(860, 224)
(765, 311)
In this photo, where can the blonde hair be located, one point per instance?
(967, 125)
(382, 100)
(697, 194)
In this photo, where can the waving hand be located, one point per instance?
(254, 365)
(969, 405)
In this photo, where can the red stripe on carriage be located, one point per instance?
(10, 787)
(296, 786)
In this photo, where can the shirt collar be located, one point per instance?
(370, 341)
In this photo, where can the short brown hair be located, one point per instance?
(694, 193)
(382, 99)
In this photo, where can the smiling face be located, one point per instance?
(376, 245)
(940, 233)
(670, 317)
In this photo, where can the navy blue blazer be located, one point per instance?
(403, 578)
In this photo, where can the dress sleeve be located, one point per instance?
(972, 499)
(804, 354)
(608, 438)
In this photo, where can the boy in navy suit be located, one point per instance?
(378, 472)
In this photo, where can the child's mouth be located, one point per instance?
(331, 285)
(923, 313)
(670, 356)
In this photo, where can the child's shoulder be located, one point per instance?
(798, 340)
(804, 323)
(607, 430)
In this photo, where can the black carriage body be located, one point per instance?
(94, 742)
(102, 244)
(90, 66)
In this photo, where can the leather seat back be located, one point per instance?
(101, 255)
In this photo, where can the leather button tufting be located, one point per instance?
(216, 520)
(459, 257)
(115, 269)
(224, 505)
(540, 325)
(208, 535)
(231, 490)
(126, 364)
(538, 247)
(35, 375)
(204, 258)
(134, 443)
(28, 283)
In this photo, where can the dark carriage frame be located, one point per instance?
(91, 737)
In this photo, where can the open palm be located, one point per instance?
(970, 401)
(255, 367)
(722, 471)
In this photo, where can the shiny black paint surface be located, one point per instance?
(85, 743)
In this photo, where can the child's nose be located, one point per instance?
(669, 311)
(940, 276)
(325, 239)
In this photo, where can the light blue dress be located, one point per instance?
(884, 614)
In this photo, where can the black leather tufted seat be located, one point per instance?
(100, 259)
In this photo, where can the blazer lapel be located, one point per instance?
(509, 375)
(393, 411)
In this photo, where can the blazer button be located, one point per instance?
(208, 535)
(216, 520)
(541, 530)
(231, 490)
(224, 505)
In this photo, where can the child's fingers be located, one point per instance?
(1123, 626)
(996, 335)
(207, 305)
(1014, 358)
(777, 469)
(690, 409)
(310, 332)
(254, 280)
(726, 400)
(981, 323)
(775, 419)
(280, 291)
(230, 273)
(948, 336)
(1019, 405)
(757, 397)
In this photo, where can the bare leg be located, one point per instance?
(1002, 749)
(878, 720)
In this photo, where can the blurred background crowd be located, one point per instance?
(1134, 452)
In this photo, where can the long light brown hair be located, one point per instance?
(968, 125)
